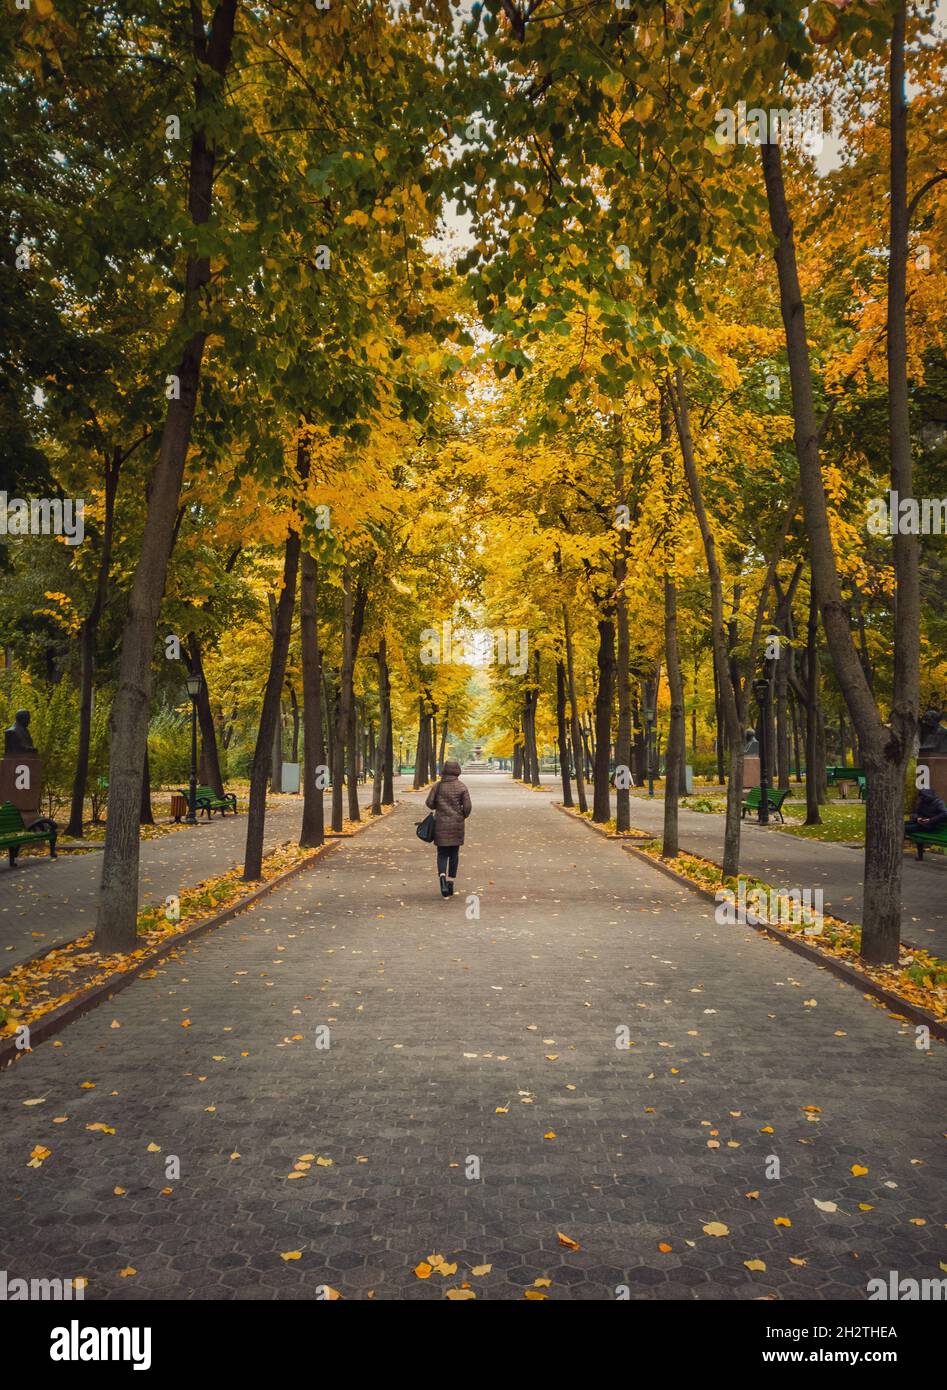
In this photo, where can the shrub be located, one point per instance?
(169, 748)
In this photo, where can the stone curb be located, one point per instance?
(598, 829)
(58, 1019)
(642, 836)
(845, 972)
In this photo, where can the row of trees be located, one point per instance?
(306, 440)
(685, 408)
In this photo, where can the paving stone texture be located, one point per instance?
(472, 1099)
(44, 901)
(792, 861)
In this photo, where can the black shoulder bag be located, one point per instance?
(424, 829)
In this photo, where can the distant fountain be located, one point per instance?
(476, 762)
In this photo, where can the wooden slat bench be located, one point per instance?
(835, 775)
(14, 834)
(922, 838)
(208, 802)
(775, 798)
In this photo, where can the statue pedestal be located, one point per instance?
(21, 781)
(936, 764)
(751, 771)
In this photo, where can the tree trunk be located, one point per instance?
(384, 714)
(420, 755)
(87, 641)
(431, 742)
(388, 790)
(588, 744)
(729, 693)
(116, 919)
(532, 740)
(677, 730)
(782, 718)
(294, 708)
(561, 733)
(623, 676)
(527, 750)
(623, 739)
(638, 753)
(276, 752)
(694, 710)
(813, 750)
(601, 799)
(885, 750)
(87, 636)
(352, 759)
(269, 714)
(718, 725)
(146, 815)
(345, 729)
(577, 749)
(210, 760)
(334, 752)
(276, 749)
(313, 831)
(794, 720)
(443, 752)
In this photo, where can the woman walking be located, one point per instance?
(449, 799)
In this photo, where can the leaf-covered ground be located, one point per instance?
(589, 1090)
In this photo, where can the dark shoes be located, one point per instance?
(450, 887)
(446, 888)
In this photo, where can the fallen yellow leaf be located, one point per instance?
(716, 1228)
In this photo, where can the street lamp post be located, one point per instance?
(761, 691)
(400, 752)
(194, 686)
(555, 755)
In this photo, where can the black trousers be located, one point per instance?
(447, 857)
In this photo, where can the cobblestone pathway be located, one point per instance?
(463, 1046)
(46, 901)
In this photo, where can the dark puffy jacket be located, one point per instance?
(930, 807)
(449, 799)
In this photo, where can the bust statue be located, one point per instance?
(752, 746)
(932, 732)
(17, 738)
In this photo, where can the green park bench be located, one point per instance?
(921, 838)
(208, 802)
(774, 797)
(834, 774)
(14, 834)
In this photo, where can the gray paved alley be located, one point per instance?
(46, 901)
(472, 1102)
(790, 861)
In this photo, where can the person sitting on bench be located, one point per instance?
(930, 813)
